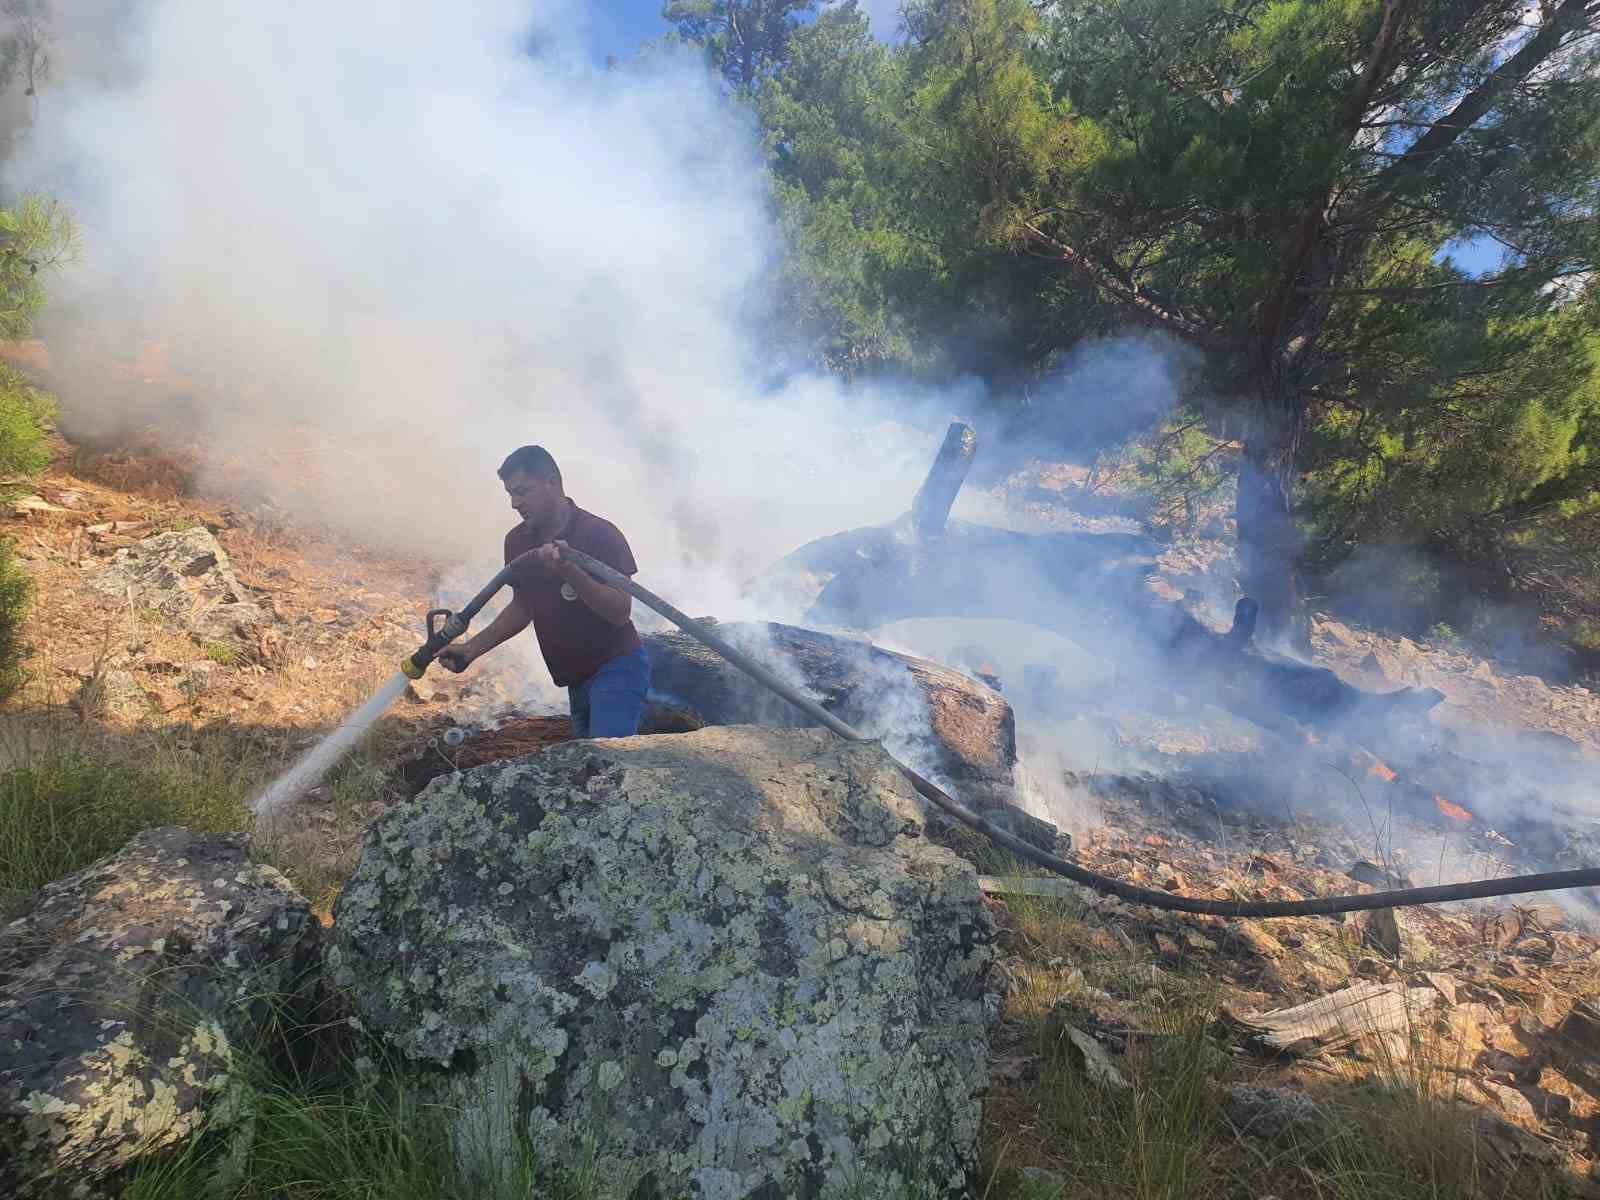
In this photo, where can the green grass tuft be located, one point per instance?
(16, 589)
(224, 654)
(63, 805)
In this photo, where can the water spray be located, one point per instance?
(444, 627)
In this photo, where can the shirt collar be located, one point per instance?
(567, 523)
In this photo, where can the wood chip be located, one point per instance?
(29, 505)
(1339, 1018)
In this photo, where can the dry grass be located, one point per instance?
(1398, 1124)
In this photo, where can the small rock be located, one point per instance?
(1340, 634)
(1043, 1184)
(197, 679)
(1513, 1103)
(308, 663)
(113, 694)
(420, 691)
(1088, 1055)
(1274, 1114)
(1442, 984)
(1255, 935)
(1384, 665)
(324, 616)
(1380, 929)
(1484, 673)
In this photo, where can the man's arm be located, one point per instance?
(513, 619)
(608, 603)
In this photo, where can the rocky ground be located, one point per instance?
(1493, 1014)
(1487, 1007)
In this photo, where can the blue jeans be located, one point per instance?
(610, 702)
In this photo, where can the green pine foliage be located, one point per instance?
(24, 413)
(35, 235)
(1279, 184)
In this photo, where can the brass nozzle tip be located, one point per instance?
(409, 668)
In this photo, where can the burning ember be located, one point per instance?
(1454, 811)
(1379, 770)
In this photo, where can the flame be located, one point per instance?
(1382, 772)
(1454, 811)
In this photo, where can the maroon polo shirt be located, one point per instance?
(574, 639)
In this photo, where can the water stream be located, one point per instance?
(304, 774)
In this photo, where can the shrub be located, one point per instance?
(24, 412)
(15, 589)
(1444, 636)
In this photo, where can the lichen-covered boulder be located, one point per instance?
(722, 964)
(124, 994)
(186, 576)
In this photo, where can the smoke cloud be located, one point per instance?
(407, 238)
(414, 237)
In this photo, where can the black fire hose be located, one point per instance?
(1323, 905)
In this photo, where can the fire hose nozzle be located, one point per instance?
(443, 627)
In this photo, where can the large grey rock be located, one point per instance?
(123, 995)
(188, 578)
(720, 964)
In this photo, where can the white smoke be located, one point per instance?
(395, 228)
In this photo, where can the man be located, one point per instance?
(584, 627)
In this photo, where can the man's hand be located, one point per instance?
(549, 557)
(456, 660)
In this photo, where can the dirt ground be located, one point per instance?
(1500, 996)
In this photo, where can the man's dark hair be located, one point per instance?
(530, 460)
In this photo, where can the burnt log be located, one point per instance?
(936, 720)
(1101, 590)
(931, 507)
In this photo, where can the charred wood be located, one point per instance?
(1100, 590)
(956, 729)
(931, 508)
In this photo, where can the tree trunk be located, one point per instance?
(931, 508)
(1269, 540)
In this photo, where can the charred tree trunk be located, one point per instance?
(1269, 540)
(931, 509)
(1101, 590)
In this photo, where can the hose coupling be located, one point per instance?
(443, 627)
